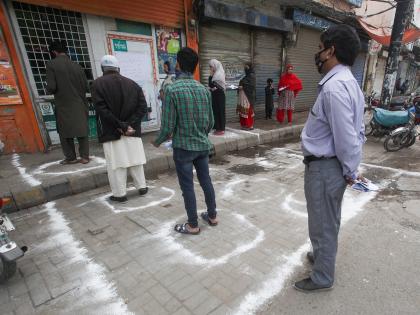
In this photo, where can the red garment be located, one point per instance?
(249, 121)
(292, 82)
(280, 115)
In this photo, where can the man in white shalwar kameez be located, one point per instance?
(120, 107)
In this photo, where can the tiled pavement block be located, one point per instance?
(26, 198)
(56, 188)
(27, 267)
(173, 305)
(182, 311)
(208, 305)
(196, 299)
(17, 288)
(221, 310)
(160, 294)
(188, 291)
(275, 135)
(137, 305)
(4, 295)
(153, 307)
(181, 284)
(37, 290)
(81, 183)
(252, 140)
(286, 133)
(114, 257)
(22, 305)
(65, 288)
(100, 177)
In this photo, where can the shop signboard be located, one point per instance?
(9, 91)
(168, 42)
(136, 58)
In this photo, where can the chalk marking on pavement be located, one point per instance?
(166, 235)
(95, 289)
(286, 205)
(275, 282)
(41, 169)
(121, 208)
(247, 132)
(22, 171)
(398, 171)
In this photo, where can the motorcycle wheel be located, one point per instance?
(7, 270)
(394, 143)
(410, 141)
(369, 128)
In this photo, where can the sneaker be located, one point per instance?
(310, 257)
(66, 162)
(118, 199)
(84, 161)
(307, 285)
(143, 191)
(219, 133)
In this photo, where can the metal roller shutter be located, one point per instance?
(267, 61)
(358, 68)
(231, 45)
(302, 58)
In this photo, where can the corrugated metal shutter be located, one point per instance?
(358, 68)
(153, 12)
(231, 45)
(302, 58)
(267, 61)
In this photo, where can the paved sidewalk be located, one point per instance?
(44, 179)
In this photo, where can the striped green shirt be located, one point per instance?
(187, 115)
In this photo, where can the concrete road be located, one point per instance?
(88, 256)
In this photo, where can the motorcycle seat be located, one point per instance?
(388, 118)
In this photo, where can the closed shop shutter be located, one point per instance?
(231, 45)
(358, 68)
(267, 61)
(302, 58)
(379, 76)
(153, 12)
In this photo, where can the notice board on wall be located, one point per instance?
(136, 57)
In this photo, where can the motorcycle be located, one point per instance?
(385, 121)
(402, 137)
(9, 251)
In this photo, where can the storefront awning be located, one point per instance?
(383, 35)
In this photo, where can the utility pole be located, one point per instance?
(402, 17)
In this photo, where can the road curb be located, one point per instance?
(66, 186)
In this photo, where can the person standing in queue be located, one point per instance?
(332, 142)
(217, 85)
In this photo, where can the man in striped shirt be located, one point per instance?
(187, 118)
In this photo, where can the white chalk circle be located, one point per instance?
(171, 241)
(41, 170)
(120, 208)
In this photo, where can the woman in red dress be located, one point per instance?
(289, 87)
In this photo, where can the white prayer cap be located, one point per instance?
(110, 61)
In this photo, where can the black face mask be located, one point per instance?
(318, 62)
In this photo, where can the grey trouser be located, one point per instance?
(69, 151)
(324, 190)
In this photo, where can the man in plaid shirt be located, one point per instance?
(187, 118)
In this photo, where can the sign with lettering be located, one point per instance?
(310, 20)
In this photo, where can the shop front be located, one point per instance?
(141, 35)
(19, 131)
(235, 39)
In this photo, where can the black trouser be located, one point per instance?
(268, 110)
(219, 110)
(69, 151)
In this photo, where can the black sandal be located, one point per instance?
(205, 217)
(182, 228)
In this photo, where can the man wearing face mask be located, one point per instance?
(332, 141)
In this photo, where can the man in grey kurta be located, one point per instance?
(67, 81)
(332, 141)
